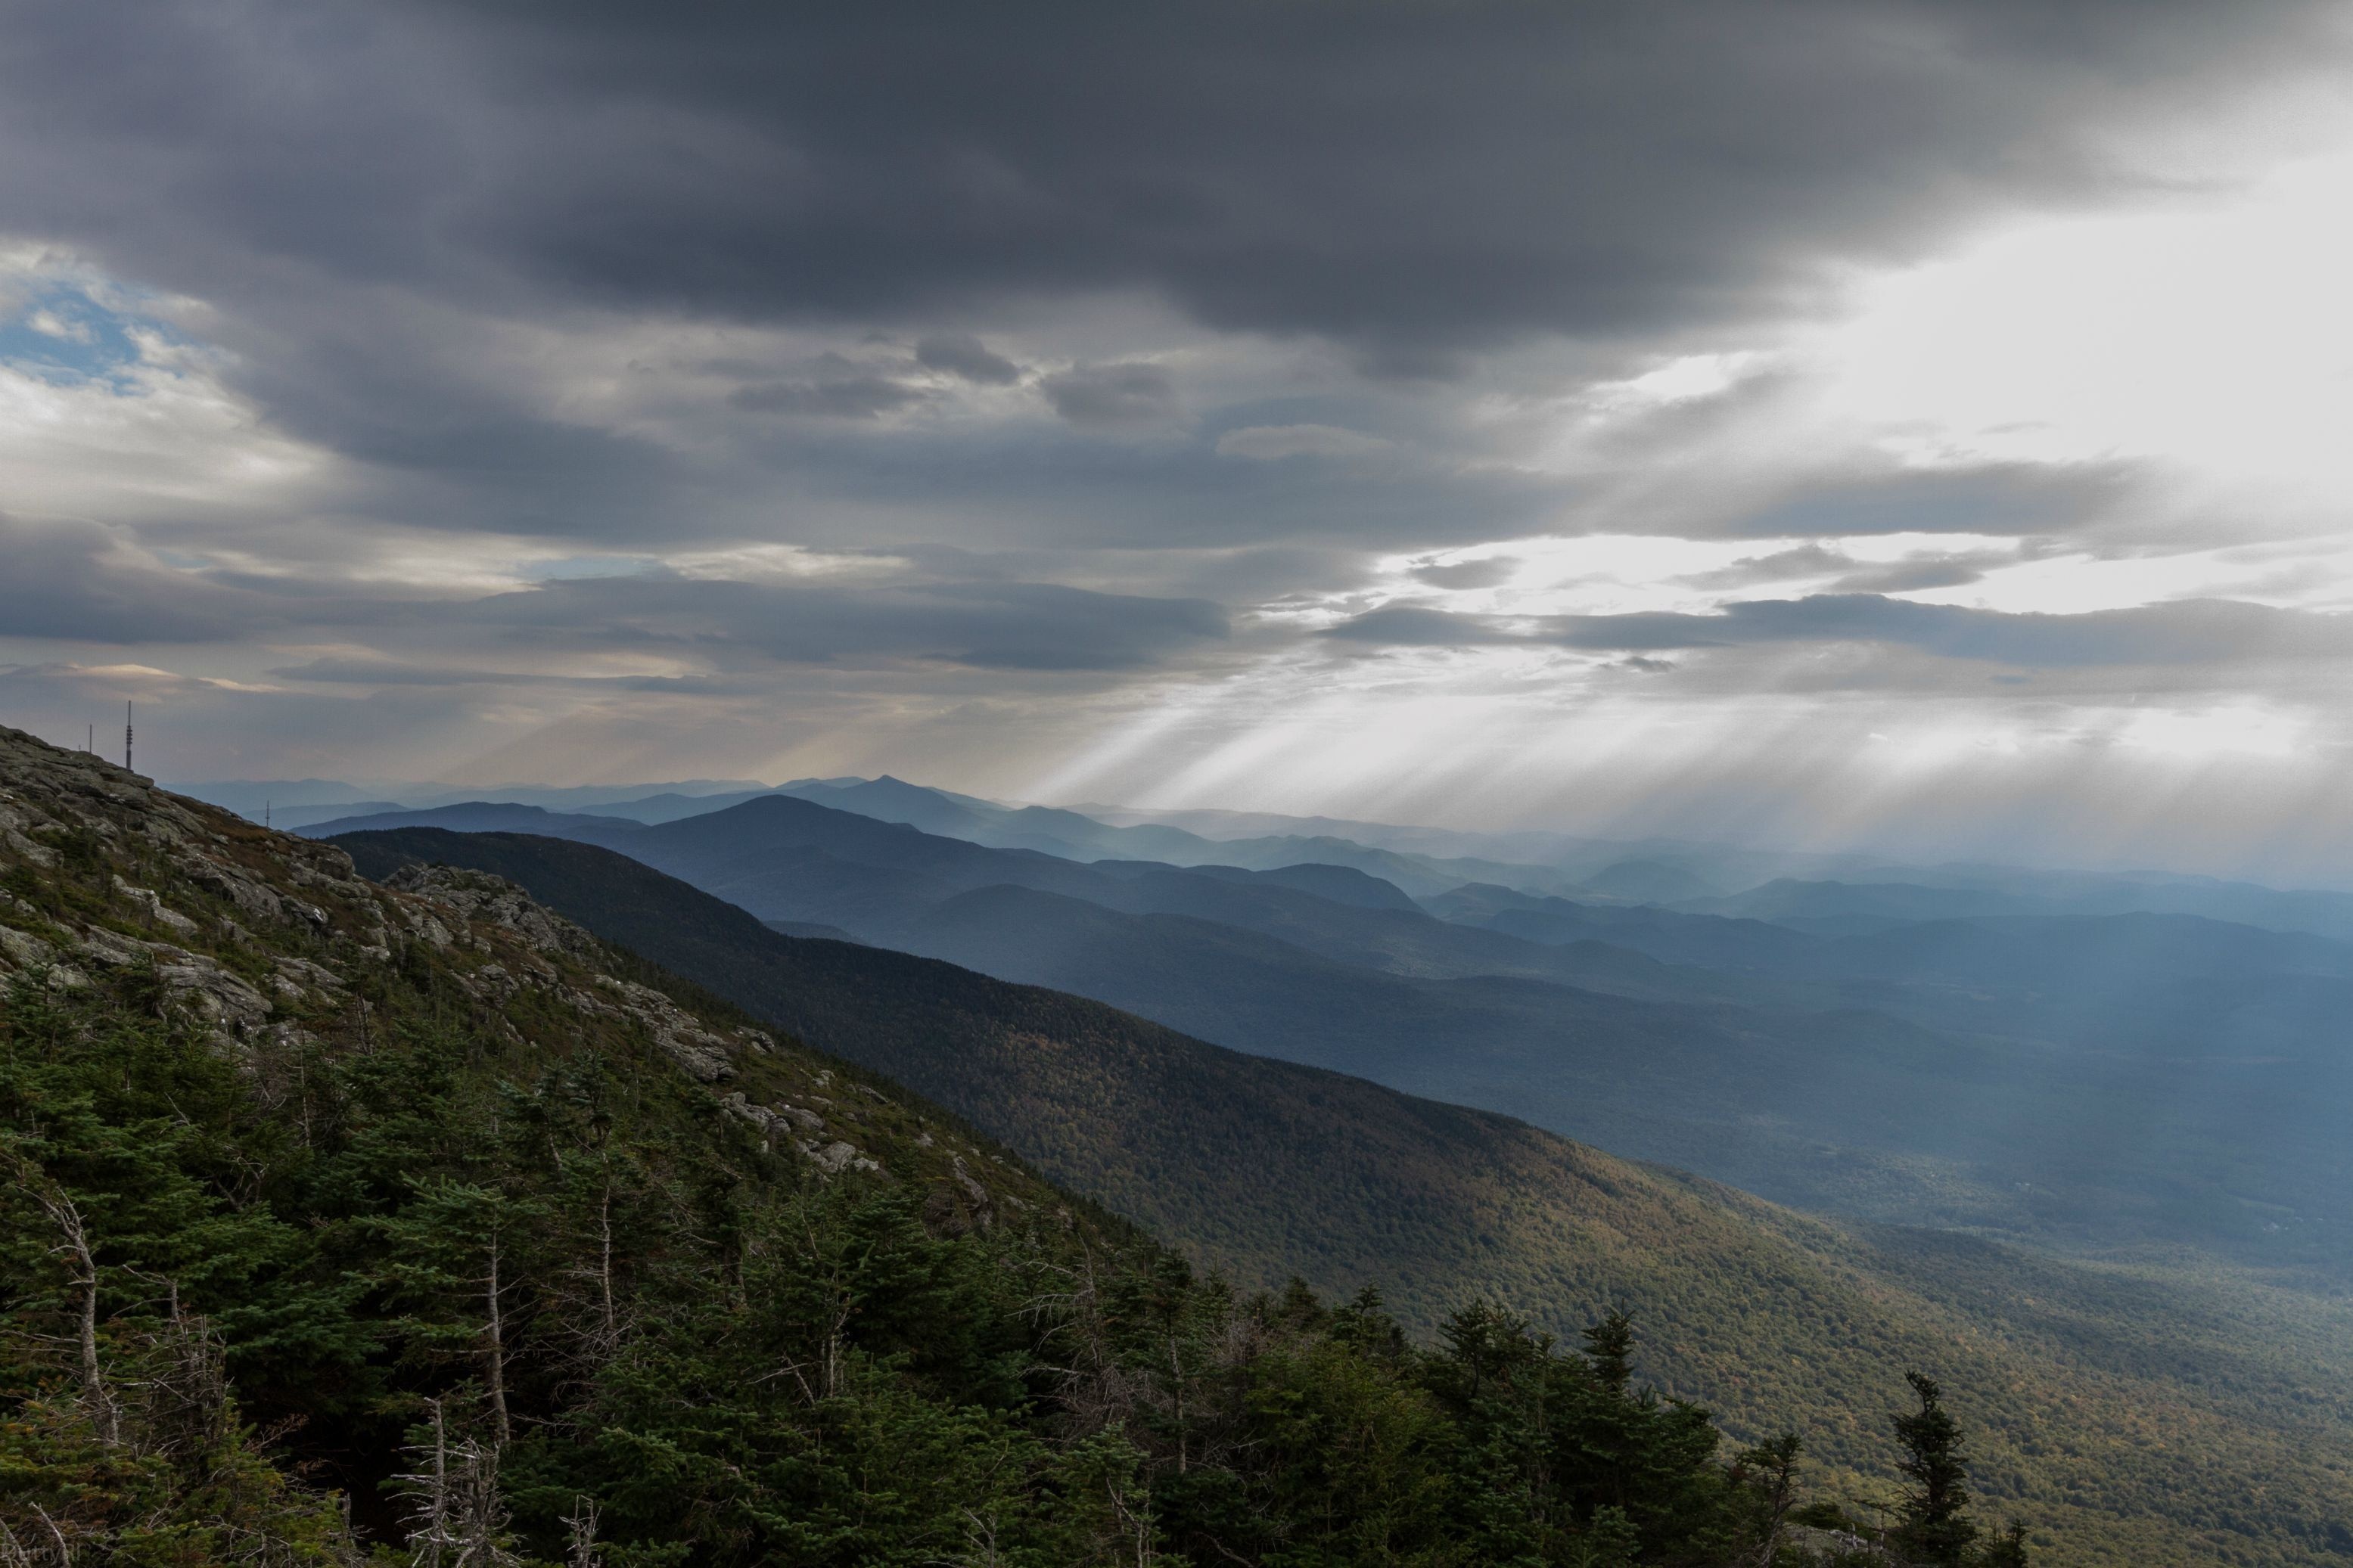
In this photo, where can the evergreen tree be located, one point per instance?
(1771, 1469)
(1609, 1347)
(1935, 1528)
(2007, 1550)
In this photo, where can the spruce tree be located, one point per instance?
(1935, 1526)
(2007, 1550)
(1610, 1346)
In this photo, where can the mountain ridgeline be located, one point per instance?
(2081, 1080)
(408, 1221)
(1829, 892)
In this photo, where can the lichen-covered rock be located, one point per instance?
(111, 950)
(837, 1157)
(163, 914)
(22, 950)
(212, 991)
(976, 1197)
(686, 1042)
(423, 924)
(491, 983)
(39, 854)
(781, 1115)
(303, 972)
(493, 901)
(253, 898)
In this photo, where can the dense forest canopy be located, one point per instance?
(343, 1221)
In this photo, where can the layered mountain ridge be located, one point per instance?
(2081, 1079)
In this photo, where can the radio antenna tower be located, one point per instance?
(126, 737)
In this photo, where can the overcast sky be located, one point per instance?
(1918, 425)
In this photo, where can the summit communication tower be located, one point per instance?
(126, 737)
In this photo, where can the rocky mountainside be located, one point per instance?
(270, 939)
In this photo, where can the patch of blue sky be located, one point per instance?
(62, 334)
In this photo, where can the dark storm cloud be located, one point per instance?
(68, 582)
(1800, 560)
(1484, 574)
(1418, 626)
(840, 390)
(1909, 575)
(999, 626)
(381, 673)
(1410, 179)
(569, 270)
(2212, 632)
(1913, 576)
(963, 354)
(2008, 499)
(2186, 632)
(1366, 172)
(386, 672)
(1109, 395)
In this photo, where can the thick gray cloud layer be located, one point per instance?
(1432, 176)
(1004, 359)
(995, 625)
(356, 187)
(2202, 632)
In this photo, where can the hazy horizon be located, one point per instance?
(250, 797)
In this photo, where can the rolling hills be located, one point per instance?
(2086, 1081)
(1823, 893)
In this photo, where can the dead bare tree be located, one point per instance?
(459, 1521)
(56, 1537)
(580, 1534)
(1135, 1523)
(494, 1353)
(1096, 1392)
(429, 1529)
(586, 1312)
(73, 1246)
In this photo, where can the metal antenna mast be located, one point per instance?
(126, 737)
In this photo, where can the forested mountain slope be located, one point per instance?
(412, 1217)
(2130, 1410)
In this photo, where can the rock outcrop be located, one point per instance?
(262, 940)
